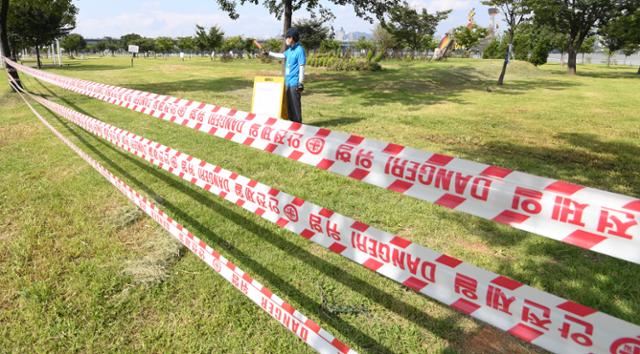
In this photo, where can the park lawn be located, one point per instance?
(81, 270)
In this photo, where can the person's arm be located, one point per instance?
(301, 74)
(271, 54)
(302, 61)
(276, 55)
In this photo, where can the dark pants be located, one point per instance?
(294, 107)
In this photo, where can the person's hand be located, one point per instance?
(300, 88)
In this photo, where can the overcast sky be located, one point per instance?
(98, 18)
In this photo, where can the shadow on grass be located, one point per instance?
(76, 66)
(600, 281)
(336, 122)
(421, 86)
(93, 67)
(630, 73)
(207, 85)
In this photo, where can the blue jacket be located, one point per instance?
(294, 57)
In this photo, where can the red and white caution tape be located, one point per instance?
(589, 218)
(294, 321)
(530, 314)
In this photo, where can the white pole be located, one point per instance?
(52, 50)
(59, 53)
(2, 56)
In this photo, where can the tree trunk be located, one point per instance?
(286, 24)
(506, 60)
(38, 56)
(4, 42)
(288, 12)
(571, 62)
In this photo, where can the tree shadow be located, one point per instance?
(92, 67)
(588, 277)
(629, 73)
(421, 85)
(206, 85)
(336, 122)
(588, 160)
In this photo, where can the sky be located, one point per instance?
(153, 18)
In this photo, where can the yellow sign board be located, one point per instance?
(268, 96)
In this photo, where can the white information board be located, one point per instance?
(268, 94)
(133, 48)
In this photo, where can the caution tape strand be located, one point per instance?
(294, 321)
(589, 218)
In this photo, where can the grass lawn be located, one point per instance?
(82, 270)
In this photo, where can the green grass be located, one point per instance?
(71, 251)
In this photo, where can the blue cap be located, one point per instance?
(293, 33)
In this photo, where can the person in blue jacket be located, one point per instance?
(295, 61)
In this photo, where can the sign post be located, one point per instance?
(1, 57)
(133, 49)
(59, 52)
(268, 96)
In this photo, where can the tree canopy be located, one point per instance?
(73, 43)
(129, 39)
(467, 37)
(579, 19)
(208, 40)
(284, 9)
(37, 23)
(312, 32)
(412, 29)
(165, 44)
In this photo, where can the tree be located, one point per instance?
(587, 46)
(515, 12)
(623, 32)
(363, 44)
(629, 49)
(165, 45)
(207, 41)
(411, 28)
(145, 44)
(73, 43)
(233, 44)
(129, 39)
(532, 42)
(330, 45)
(186, 44)
(248, 46)
(284, 9)
(577, 19)
(384, 40)
(312, 32)
(108, 44)
(37, 23)
(272, 44)
(467, 38)
(4, 42)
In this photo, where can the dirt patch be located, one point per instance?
(158, 252)
(489, 340)
(14, 132)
